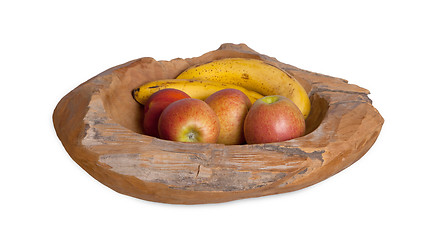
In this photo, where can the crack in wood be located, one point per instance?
(318, 90)
(293, 151)
(198, 170)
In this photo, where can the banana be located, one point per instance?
(254, 75)
(199, 89)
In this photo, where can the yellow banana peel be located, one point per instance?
(253, 75)
(195, 88)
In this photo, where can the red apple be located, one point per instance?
(189, 120)
(155, 105)
(273, 119)
(231, 107)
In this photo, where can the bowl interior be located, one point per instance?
(124, 110)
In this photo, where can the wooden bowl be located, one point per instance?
(99, 125)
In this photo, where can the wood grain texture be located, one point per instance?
(99, 125)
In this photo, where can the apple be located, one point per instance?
(189, 120)
(231, 107)
(155, 105)
(273, 119)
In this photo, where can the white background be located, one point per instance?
(392, 48)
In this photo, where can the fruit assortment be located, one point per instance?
(228, 101)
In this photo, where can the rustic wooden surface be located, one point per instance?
(99, 125)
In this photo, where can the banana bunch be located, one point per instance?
(199, 89)
(254, 75)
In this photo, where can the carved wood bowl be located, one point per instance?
(98, 123)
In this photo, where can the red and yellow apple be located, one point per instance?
(189, 120)
(273, 119)
(155, 105)
(231, 107)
